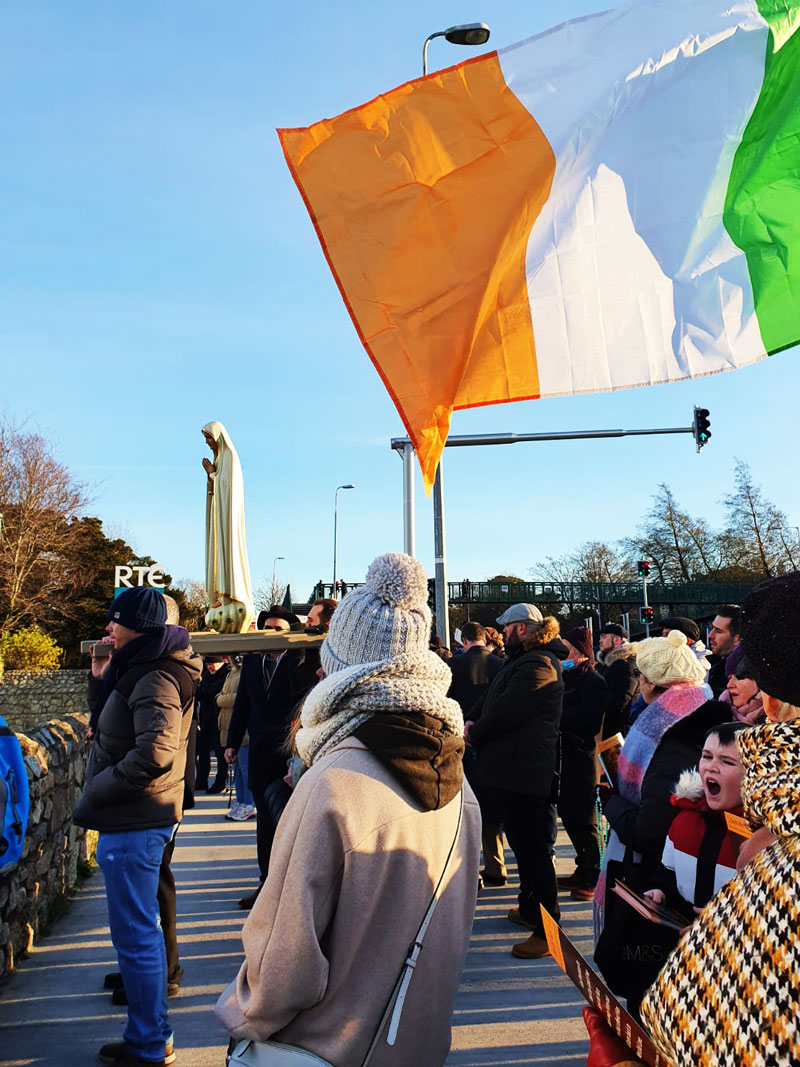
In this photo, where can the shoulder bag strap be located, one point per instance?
(394, 1008)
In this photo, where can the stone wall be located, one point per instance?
(28, 698)
(34, 892)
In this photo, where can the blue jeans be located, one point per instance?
(243, 794)
(130, 861)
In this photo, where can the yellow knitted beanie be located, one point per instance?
(667, 660)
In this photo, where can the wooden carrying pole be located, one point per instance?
(212, 644)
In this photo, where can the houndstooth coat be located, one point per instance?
(730, 992)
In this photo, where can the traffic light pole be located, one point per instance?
(404, 446)
(646, 605)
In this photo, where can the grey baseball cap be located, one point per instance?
(521, 613)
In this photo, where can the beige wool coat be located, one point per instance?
(353, 867)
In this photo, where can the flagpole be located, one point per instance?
(408, 499)
(440, 572)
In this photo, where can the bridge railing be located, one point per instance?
(593, 593)
(696, 595)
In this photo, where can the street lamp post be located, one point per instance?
(335, 529)
(472, 33)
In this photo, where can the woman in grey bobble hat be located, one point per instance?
(363, 843)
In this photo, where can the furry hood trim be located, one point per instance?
(689, 786)
(547, 632)
(623, 651)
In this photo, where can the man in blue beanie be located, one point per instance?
(133, 795)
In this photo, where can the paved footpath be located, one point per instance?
(55, 1011)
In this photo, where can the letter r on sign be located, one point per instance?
(122, 576)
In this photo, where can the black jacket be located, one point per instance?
(210, 685)
(617, 667)
(515, 729)
(472, 674)
(717, 678)
(645, 827)
(135, 775)
(584, 705)
(263, 707)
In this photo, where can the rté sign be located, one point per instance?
(152, 576)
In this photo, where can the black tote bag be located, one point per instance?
(631, 950)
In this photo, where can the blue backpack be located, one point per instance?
(14, 798)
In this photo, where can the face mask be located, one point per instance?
(567, 664)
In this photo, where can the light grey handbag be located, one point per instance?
(248, 1053)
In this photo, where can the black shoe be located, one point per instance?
(113, 981)
(488, 879)
(117, 1052)
(120, 998)
(201, 787)
(217, 787)
(247, 902)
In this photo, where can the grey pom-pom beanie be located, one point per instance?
(388, 616)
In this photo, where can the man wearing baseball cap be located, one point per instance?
(514, 729)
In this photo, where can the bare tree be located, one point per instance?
(757, 531)
(786, 538)
(598, 562)
(195, 602)
(681, 547)
(39, 499)
(269, 591)
(556, 569)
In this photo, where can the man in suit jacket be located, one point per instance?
(268, 692)
(473, 672)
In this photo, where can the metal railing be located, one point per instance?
(593, 593)
(325, 589)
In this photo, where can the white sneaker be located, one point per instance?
(232, 812)
(243, 813)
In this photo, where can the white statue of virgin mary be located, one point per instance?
(230, 594)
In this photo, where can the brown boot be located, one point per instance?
(515, 917)
(532, 949)
(583, 892)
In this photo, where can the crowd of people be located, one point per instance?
(380, 767)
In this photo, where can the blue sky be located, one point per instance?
(159, 270)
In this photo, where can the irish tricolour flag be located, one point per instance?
(610, 204)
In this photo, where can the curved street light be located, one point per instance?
(470, 33)
(335, 526)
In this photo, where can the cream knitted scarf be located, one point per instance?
(342, 701)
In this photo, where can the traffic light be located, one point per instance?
(644, 568)
(647, 616)
(701, 427)
(432, 594)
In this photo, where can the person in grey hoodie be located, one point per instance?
(133, 794)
